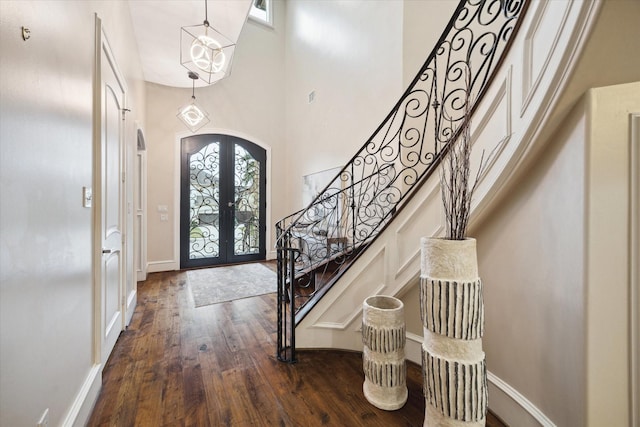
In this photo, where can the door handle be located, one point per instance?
(106, 251)
(109, 251)
(230, 204)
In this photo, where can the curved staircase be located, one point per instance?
(511, 113)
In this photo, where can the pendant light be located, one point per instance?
(191, 114)
(206, 51)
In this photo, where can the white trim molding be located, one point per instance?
(167, 265)
(519, 399)
(634, 266)
(537, 36)
(86, 398)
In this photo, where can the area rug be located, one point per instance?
(221, 284)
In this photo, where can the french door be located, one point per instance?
(222, 201)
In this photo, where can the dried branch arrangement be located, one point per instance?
(455, 187)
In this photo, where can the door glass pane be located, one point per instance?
(204, 198)
(247, 203)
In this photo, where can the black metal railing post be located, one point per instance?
(292, 305)
(281, 305)
(286, 340)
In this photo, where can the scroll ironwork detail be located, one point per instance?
(353, 209)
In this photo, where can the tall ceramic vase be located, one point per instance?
(384, 337)
(452, 311)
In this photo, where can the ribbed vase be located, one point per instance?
(452, 312)
(383, 359)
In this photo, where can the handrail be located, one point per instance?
(319, 199)
(404, 150)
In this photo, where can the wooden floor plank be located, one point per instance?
(177, 365)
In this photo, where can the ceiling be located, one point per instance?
(157, 26)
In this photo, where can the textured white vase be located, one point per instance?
(452, 312)
(383, 359)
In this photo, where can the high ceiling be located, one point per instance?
(157, 26)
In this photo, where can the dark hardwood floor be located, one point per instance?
(177, 365)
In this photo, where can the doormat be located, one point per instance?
(221, 284)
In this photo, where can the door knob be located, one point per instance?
(230, 204)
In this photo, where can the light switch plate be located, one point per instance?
(87, 196)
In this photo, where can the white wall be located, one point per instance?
(534, 314)
(46, 289)
(423, 23)
(350, 54)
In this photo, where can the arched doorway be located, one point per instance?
(222, 201)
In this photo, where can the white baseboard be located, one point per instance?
(158, 266)
(515, 409)
(86, 398)
(170, 265)
(141, 276)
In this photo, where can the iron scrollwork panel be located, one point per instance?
(246, 202)
(204, 199)
(408, 145)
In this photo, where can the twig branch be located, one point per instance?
(454, 177)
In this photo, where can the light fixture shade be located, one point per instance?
(206, 52)
(193, 116)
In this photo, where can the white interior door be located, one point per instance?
(112, 104)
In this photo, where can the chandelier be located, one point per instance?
(191, 114)
(206, 51)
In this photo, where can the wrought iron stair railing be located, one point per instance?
(316, 245)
